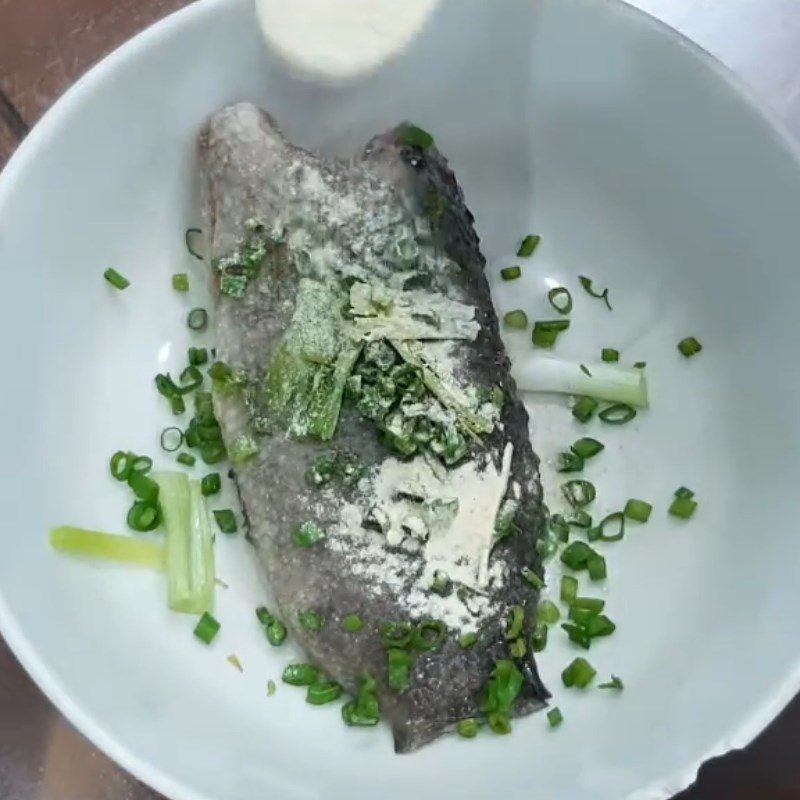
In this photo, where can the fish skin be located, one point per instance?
(249, 170)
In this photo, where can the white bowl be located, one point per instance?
(642, 164)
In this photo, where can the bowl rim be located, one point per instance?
(47, 681)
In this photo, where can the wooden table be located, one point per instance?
(44, 46)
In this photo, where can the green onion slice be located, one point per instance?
(180, 282)
(528, 245)
(115, 279)
(683, 507)
(207, 628)
(396, 634)
(120, 465)
(617, 414)
(689, 346)
(300, 674)
(586, 283)
(210, 484)
(197, 356)
(143, 487)
(191, 378)
(311, 620)
(555, 717)
(197, 320)
(587, 447)
(539, 637)
(569, 588)
(548, 612)
(580, 673)
(171, 439)
(307, 535)
(615, 520)
(569, 462)
(352, 623)
(399, 669)
(190, 237)
(322, 692)
(510, 273)
(578, 493)
(684, 492)
(414, 136)
(125, 549)
(614, 683)
(561, 299)
(428, 634)
(638, 510)
(596, 566)
(516, 319)
(226, 520)
(576, 555)
(584, 408)
(468, 728)
(516, 620)
(578, 635)
(609, 355)
(467, 640)
(187, 459)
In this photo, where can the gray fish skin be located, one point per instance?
(249, 171)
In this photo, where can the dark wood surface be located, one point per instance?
(44, 46)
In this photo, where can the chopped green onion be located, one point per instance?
(689, 346)
(555, 717)
(311, 621)
(213, 452)
(300, 674)
(600, 625)
(684, 492)
(187, 459)
(578, 493)
(307, 535)
(596, 566)
(528, 245)
(640, 365)
(177, 404)
(614, 683)
(548, 612)
(569, 462)
(580, 673)
(587, 285)
(413, 136)
(559, 527)
(364, 711)
(518, 648)
(539, 637)
(207, 628)
(120, 465)
(617, 414)
(188, 237)
(515, 622)
(585, 370)
(352, 623)
(516, 319)
(587, 447)
(115, 279)
(683, 507)
(576, 555)
(143, 516)
(190, 379)
(584, 408)
(226, 520)
(399, 669)
(428, 634)
(468, 728)
(563, 306)
(609, 355)
(569, 588)
(532, 578)
(581, 616)
(125, 549)
(142, 465)
(197, 320)
(545, 332)
(276, 633)
(210, 484)
(323, 692)
(467, 640)
(143, 487)
(180, 282)
(638, 510)
(396, 634)
(617, 519)
(594, 604)
(580, 519)
(578, 635)
(197, 356)
(271, 687)
(171, 439)
(510, 273)
(499, 723)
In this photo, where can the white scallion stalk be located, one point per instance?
(609, 382)
(190, 554)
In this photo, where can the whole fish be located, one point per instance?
(381, 453)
